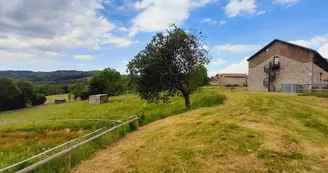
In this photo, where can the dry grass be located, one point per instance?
(251, 132)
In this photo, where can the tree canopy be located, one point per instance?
(15, 95)
(106, 82)
(168, 64)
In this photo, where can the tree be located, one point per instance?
(84, 95)
(10, 95)
(27, 89)
(39, 99)
(107, 81)
(166, 66)
(69, 97)
(199, 77)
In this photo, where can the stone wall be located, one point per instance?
(290, 72)
(233, 81)
(316, 75)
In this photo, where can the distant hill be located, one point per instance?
(55, 77)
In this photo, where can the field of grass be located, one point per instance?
(317, 94)
(29, 131)
(250, 132)
(52, 98)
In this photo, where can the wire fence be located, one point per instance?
(68, 146)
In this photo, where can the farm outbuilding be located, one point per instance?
(98, 99)
(59, 101)
(229, 79)
(286, 67)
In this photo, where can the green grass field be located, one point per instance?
(29, 131)
(250, 132)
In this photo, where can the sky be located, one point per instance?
(49, 35)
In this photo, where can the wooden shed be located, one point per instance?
(59, 101)
(98, 99)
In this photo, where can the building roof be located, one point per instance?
(99, 95)
(277, 40)
(239, 75)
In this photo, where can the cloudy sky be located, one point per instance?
(47, 35)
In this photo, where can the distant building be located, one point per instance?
(229, 79)
(98, 99)
(283, 66)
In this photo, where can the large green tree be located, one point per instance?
(10, 95)
(27, 89)
(166, 66)
(106, 82)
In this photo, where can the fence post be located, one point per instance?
(68, 160)
(137, 123)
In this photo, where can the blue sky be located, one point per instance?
(52, 35)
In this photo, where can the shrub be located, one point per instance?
(39, 99)
(10, 95)
(84, 95)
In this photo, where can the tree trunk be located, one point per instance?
(187, 99)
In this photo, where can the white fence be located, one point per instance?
(69, 148)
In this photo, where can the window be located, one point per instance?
(321, 76)
(276, 60)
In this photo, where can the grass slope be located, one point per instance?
(25, 132)
(250, 132)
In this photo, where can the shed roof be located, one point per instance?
(98, 95)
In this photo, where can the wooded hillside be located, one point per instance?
(56, 77)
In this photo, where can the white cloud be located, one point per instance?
(157, 15)
(83, 57)
(125, 61)
(207, 20)
(239, 7)
(286, 2)
(323, 50)
(205, 47)
(199, 3)
(48, 28)
(241, 67)
(217, 62)
(260, 12)
(237, 48)
(313, 42)
(222, 22)
(123, 29)
(213, 22)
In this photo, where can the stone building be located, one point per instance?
(281, 64)
(229, 79)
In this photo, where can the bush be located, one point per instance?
(39, 99)
(84, 95)
(27, 89)
(10, 95)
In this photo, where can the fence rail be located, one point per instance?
(70, 147)
(312, 88)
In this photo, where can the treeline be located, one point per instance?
(15, 94)
(18, 94)
(50, 78)
(109, 81)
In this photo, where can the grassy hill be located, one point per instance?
(55, 77)
(250, 132)
(26, 132)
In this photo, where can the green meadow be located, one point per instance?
(29, 131)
